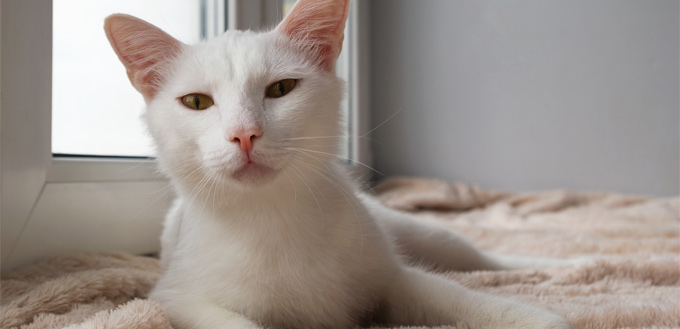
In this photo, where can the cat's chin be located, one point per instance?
(254, 174)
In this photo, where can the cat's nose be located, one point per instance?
(245, 138)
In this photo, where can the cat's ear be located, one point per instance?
(144, 50)
(319, 26)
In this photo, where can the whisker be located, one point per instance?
(346, 194)
(326, 137)
(378, 126)
(337, 156)
(198, 188)
(211, 180)
(196, 191)
(302, 161)
(216, 180)
(167, 189)
(292, 185)
(141, 162)
(300, 174)
(306, 157)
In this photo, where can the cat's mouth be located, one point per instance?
(253, 173)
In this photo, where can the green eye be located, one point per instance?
(197, 101)
(280, 88)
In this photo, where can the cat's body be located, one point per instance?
(286, 263)
(267, 230)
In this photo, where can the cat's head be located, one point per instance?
(244, 107)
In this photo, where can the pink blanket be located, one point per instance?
(633, 283)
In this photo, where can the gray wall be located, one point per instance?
(528, 94)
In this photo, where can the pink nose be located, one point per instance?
(245, 138)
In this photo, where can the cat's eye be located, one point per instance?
(280, 88)
(197, 101)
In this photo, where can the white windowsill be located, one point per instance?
(77, 169)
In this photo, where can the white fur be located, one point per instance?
(295, 245)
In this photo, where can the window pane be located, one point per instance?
(287, 5)
(95, 110)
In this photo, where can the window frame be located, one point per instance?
(28, 170)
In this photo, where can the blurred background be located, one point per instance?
(528, 94)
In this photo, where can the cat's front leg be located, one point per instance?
(418, 298)
(185, 314)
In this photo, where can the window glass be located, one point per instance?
(95, 110)
(287, 5)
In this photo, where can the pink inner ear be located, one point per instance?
(319, 25)
(144, 50)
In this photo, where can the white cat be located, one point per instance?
(267, 230)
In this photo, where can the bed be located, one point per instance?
(630, 276)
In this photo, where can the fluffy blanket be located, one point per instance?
(632, 282)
